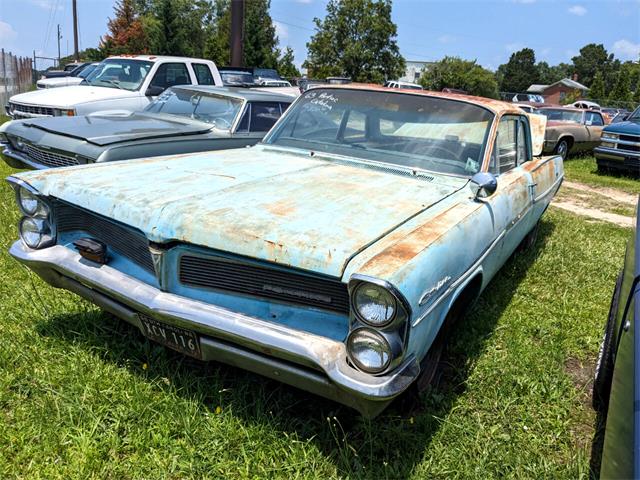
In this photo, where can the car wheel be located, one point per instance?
(562, 148)
(604, 364)
(530, 239)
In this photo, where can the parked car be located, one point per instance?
(571, 130)
(533, 98)
(616, 388)
(274, 83)
(183, 119)
(69, 70)
(232, 77)
(620, 147)
(399, 84)
(76, 79)
(335, 256)
(585, 104)
(261, 74)
(620, 117)
(128, 82)
(526, 107)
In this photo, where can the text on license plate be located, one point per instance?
(176, 338)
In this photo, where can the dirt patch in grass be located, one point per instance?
(612, 193)
(581, 374)
(621, 220)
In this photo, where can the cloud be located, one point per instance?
(281, 30)
(7, 33)
(578, 10)
(46, 4)
(626, 49)
(447, 39)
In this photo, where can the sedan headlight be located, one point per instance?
(374, 305)
(30, 204)
(612, 136)
(369, 350)
(35, 232)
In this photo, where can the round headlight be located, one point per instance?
(34, 232)
(368, 350)
(30, 204)
(374, 305)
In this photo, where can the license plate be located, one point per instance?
(176, 338)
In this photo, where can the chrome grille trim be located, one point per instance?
(30, 109)
(48, 158)
(220, 273)
(125, 240)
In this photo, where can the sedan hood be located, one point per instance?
(69, 96)
(108, 129)
(268, 204)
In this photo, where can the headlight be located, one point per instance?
(30, 204)
(368, 350)
(64, 112)
(608, 144)
(18, 143)
(374, 305)
(609, 135)
(35, 232)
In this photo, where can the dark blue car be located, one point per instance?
(620, 145)
(616, 389)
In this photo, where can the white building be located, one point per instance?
(413, 70)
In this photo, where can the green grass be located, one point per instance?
(85, 396)
(585, 170)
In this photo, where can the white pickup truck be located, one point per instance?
(127, 82)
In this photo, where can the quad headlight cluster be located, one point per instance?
(378, 326)
(35, 226)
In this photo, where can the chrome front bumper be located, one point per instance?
(18, 160)
(310, 362)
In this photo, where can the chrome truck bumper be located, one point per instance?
(310, 362)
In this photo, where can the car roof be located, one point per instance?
(155, 58)
(496, 106)
(248, 94)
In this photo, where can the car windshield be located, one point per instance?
(635, 115)
(217, 110)
(561, 115)
(86, 71)
(237, 78)
(126, 74)
(414, 131)
(266, 73)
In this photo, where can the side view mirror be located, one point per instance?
(153, 91)
(483, 185)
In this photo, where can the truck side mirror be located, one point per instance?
(483, 185)
(153, 91)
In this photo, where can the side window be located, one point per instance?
(512, 146)
(243, 126)
(170, 74)
(263, 116)
(594, 119)
(203, 74)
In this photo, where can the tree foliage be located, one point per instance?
(357, 39)
(126, 31)
(286, 65)
(597, 91)
(520, 71)
(454, 72)
(621, 91)
(591, 59)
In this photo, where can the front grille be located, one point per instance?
(242, 277)
(50, 159)
(127, 241)
(629, 148)
(630, 138)
(30, 109)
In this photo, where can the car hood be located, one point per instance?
(109, 129)
(630, 127)
(61, 81)
(73, 95)
(268, 204)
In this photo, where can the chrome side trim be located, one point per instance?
(461, 279)
(554, 187)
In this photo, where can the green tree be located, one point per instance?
(573, 96)
(597, 91)
(621, 92)
(286, 65)
(357, 39)
(520, 71)
(593, 58)
(454, 72)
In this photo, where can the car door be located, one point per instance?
(594, 123)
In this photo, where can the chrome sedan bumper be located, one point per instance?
(18, 160)
(310, 362)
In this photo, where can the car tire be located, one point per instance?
(529, 241)
(604, 364)
(562, 148)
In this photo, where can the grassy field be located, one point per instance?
(85, 396)
(585, 170)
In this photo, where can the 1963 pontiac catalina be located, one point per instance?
(184, 119)
(335, 256)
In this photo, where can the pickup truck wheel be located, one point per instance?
(562, 148)
(604, 364)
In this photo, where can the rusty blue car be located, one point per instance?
(334, 256)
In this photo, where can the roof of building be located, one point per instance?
(567, 82)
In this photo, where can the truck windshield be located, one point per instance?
(416, 131)
(217, 110)
(635, 115)
(126, 74)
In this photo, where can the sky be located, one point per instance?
(488, 31)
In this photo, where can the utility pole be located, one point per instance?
(59, 38)
(237, 33)
(75, 31)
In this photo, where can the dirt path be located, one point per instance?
(599, 203)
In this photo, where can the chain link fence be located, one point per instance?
(16, 76)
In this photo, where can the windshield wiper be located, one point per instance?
(112, 82)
